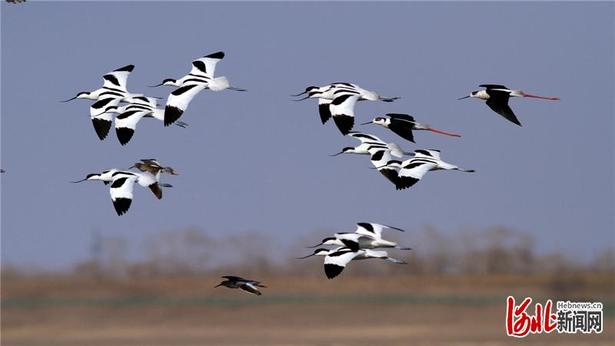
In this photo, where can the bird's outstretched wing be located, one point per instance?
(117, 79)
(498, 102)
(126, 124)
(323, 110)
(121, 191)
(337, 261)
(179, 100)
(373, 230)
(413, 171)
(206, 66)
(251, 288)
(342, 110)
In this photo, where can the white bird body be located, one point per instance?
(337, 259)
(122, 185)
(411, 171)
(128, 116)
(327, 105)
(368, 235)
(201, 77)
(368, 142)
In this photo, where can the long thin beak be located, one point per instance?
(78, 181)
(69, 99)
(237, 89)
(552, 98)
(388, 99)
(218, 285)
(299, 94)
(442, 132)
(465, 97)
(395, 228)
(341, 152)
(301, 99)
(311, 247)
(367, 123)
(404, 248)
(157, 85)
(305, 256)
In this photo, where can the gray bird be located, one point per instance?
(247, 285)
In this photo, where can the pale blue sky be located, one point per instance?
(257, 161)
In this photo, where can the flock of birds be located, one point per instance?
(114, 104)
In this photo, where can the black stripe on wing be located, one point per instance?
(352, 245)
(127, 68)
(216, 55)
(101, 103)
(102, 127)
(124, 134)
(332, 270)
(112, 79)
(199, 65)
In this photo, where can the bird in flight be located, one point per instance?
(496, 96)
(250, 286)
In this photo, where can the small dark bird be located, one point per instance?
(154, 167)
(247, 285)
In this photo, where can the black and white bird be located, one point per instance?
(380, 159)
(114, 86)
(202, 71)
(497, 96)
(128, 116)
(250, 286)
(369, 141)
(411, 171)
(404, 124)
(336, 259)
(122, 184)
(367, 236)
(201, 77)
(329, 93)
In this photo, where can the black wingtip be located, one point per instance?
(325, 112)
(344, 123)
(405, 182)
(216, 55)
(124, 134)
(127, 68)
(122, 205)
(171, 114)
(332, 270)
(101, 127)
